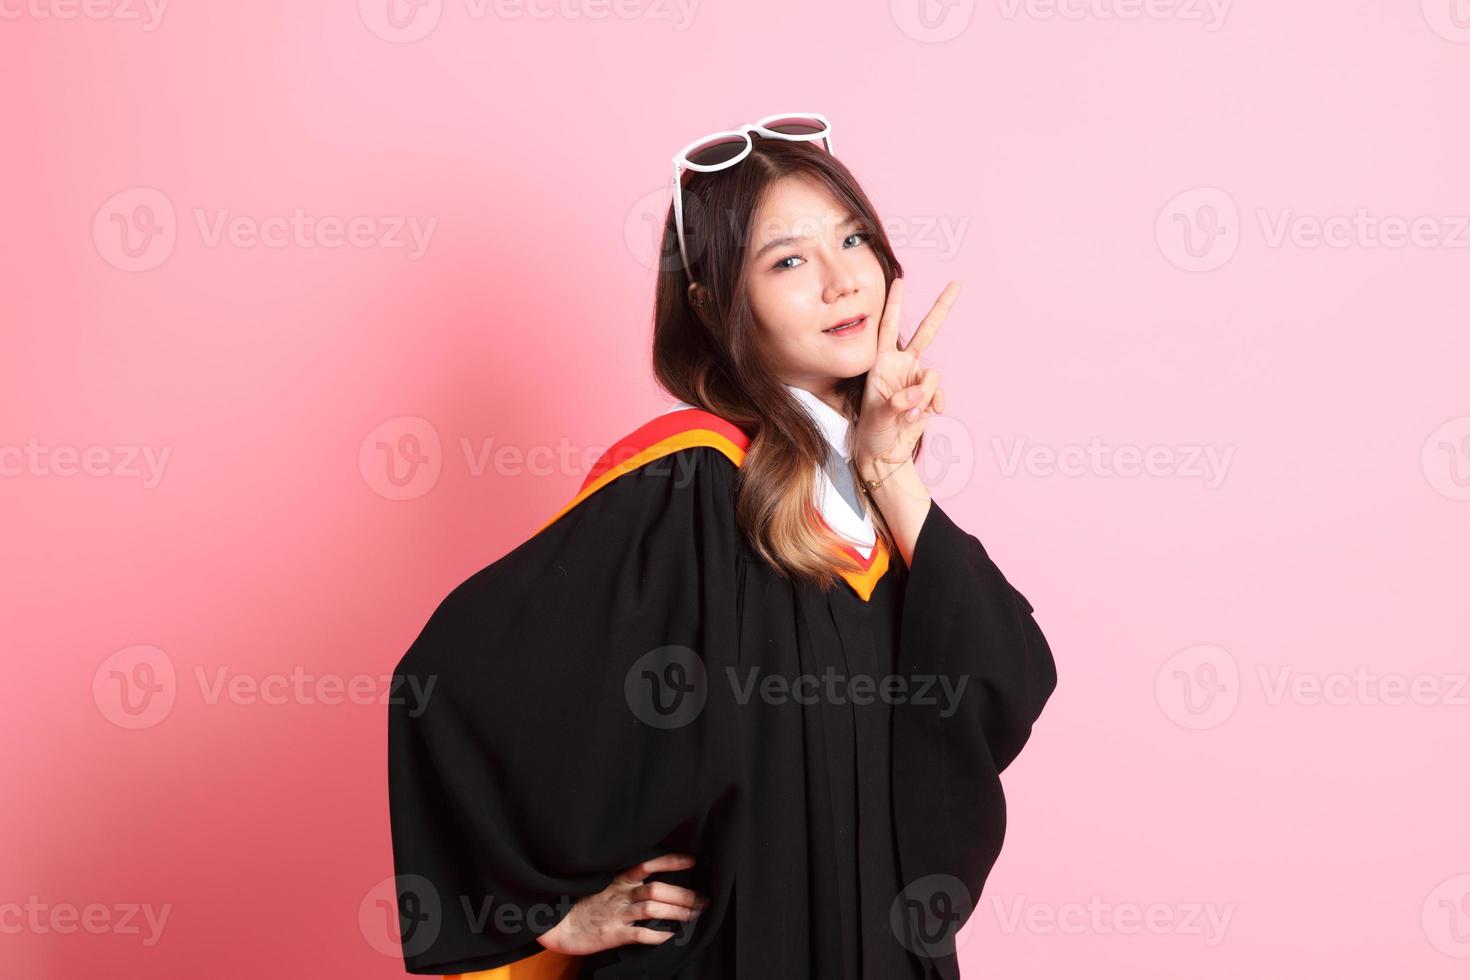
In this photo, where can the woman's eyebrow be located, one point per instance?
(788, 239)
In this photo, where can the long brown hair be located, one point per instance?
(710, 356)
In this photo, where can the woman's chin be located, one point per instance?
(853, 364)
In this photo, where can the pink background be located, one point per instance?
(1130, 202)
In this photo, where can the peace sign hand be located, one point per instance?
(900, 394)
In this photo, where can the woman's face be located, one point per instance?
(808, 268)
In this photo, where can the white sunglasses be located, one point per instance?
(725, 149)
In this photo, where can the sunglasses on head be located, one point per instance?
(727, 148)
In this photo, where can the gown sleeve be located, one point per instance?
(547, 727)
(963, 621)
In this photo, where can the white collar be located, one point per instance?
(836, 510)
(854, 524)
(834, 424)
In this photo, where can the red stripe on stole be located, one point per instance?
(660, 428)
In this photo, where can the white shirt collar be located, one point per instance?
(837, 511)
(834, 424)
(854, 524)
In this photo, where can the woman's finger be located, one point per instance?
(928, 385)
(647, 936)
(904, 399)
(888, 322)
(659, 910)
(673, 861)
(663, 891)
(930, 325)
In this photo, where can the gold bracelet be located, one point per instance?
(868, 486)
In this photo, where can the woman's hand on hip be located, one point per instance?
(605, 920)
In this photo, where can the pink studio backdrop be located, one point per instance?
(312, 309)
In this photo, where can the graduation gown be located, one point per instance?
(634, 680)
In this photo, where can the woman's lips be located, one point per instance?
(854, 327)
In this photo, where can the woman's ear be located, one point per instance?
(700, 301)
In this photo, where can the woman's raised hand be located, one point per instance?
(605, 920)
(900, 394)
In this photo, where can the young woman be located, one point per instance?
(739, 708)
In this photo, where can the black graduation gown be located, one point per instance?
(585, 702)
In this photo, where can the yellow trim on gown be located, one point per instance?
(545, 965)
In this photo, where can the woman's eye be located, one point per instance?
(781, 264)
